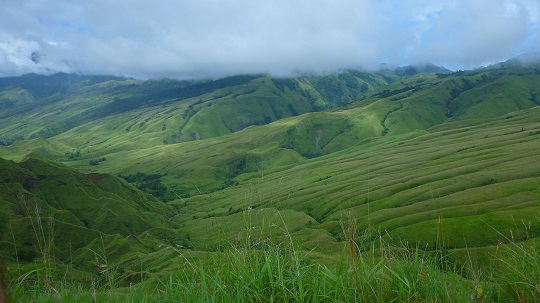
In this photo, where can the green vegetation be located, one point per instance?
(285, 273)
(398, 185)
(148, 183)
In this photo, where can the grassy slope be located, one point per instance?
(256, 223)
(410, 105)
(477, 176)
(433, 161)
(54, 215)
(465, 171)
(129, 114)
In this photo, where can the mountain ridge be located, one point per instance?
(108, 95)
(412, 104)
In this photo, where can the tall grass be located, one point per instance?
(286, 273)
(516, 271)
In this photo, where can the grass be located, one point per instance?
(123, 114)
(141, 139)
(470, 172)
(438, 169)
(287, 273)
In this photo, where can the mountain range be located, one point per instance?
(142, 169)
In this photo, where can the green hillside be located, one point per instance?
(477, 176)
(152, 112)
(53, 216)
(413, 104)
(404, 158)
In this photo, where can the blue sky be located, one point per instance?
(215, 38)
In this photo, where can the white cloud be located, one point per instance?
(473, 33)
(210, 38)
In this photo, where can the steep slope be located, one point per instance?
(52, 213)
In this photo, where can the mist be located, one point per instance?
(213, 38)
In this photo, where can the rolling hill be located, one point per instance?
(174, 111)
(412, 104)
(410, 157)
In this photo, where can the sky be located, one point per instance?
(216, 38)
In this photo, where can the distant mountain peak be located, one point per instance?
(413, 69)
(530, 58)
(524, 61)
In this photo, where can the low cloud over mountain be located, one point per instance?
(214, 38)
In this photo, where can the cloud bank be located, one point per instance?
(214, 38)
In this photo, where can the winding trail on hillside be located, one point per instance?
(383, 121)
